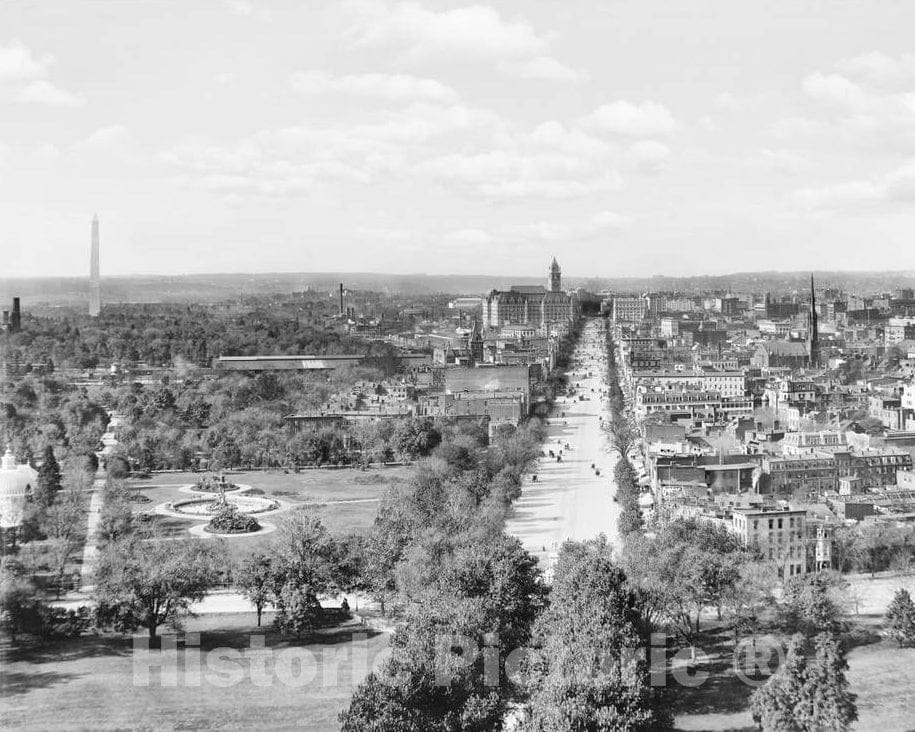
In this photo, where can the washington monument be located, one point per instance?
(95, 295)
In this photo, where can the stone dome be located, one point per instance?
(16, 483)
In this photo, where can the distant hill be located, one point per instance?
(72, 291)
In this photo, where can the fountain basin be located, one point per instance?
(208, 507)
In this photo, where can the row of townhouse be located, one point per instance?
(821, 470)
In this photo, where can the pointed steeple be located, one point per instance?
(813, 331)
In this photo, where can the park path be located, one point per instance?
(569, 500)
(96, 502)
(90, 548)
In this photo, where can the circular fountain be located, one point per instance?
(209, 507)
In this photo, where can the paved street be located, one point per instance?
(569, 500)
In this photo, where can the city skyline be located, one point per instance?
(454, 138)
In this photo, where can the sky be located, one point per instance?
(626, 138)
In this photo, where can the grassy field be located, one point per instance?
(89, 683)
(308, 486)
(880, 673)
(346, 500)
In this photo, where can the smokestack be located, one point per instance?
(15, 317)
(341, 299)
(95, 295)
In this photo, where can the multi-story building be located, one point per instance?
(889, 410)
(796, 443)
(629, 309)
(726, 383)
(813, 472)
(779, 534)
(525, 304)
(897, 330)
(693, 404)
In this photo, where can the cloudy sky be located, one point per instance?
(625, 137)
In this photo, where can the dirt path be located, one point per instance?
(569, 500)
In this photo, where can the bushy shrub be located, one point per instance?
(229, 520)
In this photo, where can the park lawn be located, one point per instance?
(345, 500)
(309, 486)
(880, 673)
(883, 677)
(88, 683)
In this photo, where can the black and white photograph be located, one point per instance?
(457, 365)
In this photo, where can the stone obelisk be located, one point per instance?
(95, 293)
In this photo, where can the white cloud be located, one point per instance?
(796, 127)
(859, 112)
(394, 87)
(707, 123)
(553, 134)
(44, 92)
(600, 223)
(23, 78)
(784, 161)
(879, 67)
(648, 155)
(897, 186)
(836, 89)
(473, 31)
(519, 236)
(644, 119)
(108, 139)
(548, 68)
(470, 237)
(292, 160)
(17, 63)
(248, 9)
(518, 173)
(225, 78)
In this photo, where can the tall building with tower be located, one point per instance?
(554, 283)
(532, 304)
(95, 290)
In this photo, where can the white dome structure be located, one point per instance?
(16, 484)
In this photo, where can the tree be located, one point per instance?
(118, 467)
(65, 526)
(48, 478)
(116, 520)
(414, 438)
(19, 600)
(751, 597)
(257, 579)
(826, 702)
(900, 617)
(390, 535)
(690, 565)
(807, 695)
(298, 609)
(147, 584)
(586, 672)
(810, 604)
(303, 566)
(773, 704)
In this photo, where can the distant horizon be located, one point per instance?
(497, 275)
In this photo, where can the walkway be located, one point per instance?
(569, 500)
(90, 548)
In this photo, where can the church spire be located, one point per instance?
(813, 331)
